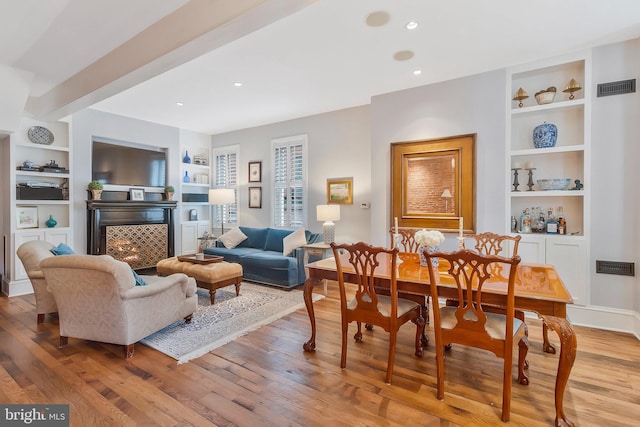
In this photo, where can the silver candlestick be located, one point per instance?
(530, 183)
(515, 178)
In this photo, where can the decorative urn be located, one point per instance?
(545, 135)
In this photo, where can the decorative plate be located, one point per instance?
(40, 135)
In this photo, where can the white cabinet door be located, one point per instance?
(19, 273)
(568, 256)
(189, 238)
(532, 249)
(57, 236)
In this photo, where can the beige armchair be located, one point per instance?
(97, 299)
(31, 253)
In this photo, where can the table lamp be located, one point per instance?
(446, 194)
(221, 197)
(328, 214)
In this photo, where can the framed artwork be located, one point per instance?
(432, 183)
(26, 217)
(136, 194)
(340, 191)
(255, 197)
(255, 171)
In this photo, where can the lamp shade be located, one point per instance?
(221, 196)
(446, 193)
(328, 212)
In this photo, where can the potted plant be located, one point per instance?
(168, 191)
(96, 189)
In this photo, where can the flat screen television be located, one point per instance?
(118, 164)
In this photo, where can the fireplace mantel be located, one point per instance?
(103, 213)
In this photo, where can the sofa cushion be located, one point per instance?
(268, 259)
(231, 255)
(293, 241)
(232, 238)
(255, 237)
(62, 249)
(274, 241)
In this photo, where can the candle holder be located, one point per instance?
(530, 183)
(515, 179)
(460, 242)
(397, 241)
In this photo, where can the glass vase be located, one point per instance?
(51, 222)
(186, 158)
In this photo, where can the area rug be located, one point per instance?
(230, 317)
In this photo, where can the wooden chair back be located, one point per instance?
(468, 323)
(492, 244)
(358, 266)
(408, 242)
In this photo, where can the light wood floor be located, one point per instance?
(264, 378)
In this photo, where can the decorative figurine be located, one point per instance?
(578, 185)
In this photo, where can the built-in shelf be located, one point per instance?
(548, 193)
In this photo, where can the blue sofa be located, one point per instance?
(261, 256)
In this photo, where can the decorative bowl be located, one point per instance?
(545, 135)
(546, 96)
(554, 184)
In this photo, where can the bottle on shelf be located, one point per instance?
(562, 222)
(552, 223)
(525, 222)
(540, 220)
(186, 158)
(186, 178)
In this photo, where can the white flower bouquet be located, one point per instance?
(429, 237)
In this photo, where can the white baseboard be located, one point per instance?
(610, 319)
(17, 288)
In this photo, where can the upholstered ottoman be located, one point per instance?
(208, 276)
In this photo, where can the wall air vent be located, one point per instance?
(617, 88)
(616, 267)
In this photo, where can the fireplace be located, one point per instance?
(140, 233)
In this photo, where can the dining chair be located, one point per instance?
(489, 243)
(358, 266)
(468, 323)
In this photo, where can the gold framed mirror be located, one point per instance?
(433, 183)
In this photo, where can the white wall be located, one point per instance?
(89, 123)
(616, 152)
(339, 146)
(468, 105)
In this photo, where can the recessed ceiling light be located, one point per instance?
(237, 84)
(412, 25)
(417, 72)
(179, 104)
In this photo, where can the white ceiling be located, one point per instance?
(294, 57)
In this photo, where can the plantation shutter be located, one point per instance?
(226, 176)
(289, 164)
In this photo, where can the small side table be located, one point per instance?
(321, 250)
(206, 242)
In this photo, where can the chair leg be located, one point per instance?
(188, 318)
(63, 341)
(343, 356)
(420, 324)
(393, 336)
(506, 387)
(358, 335)
(523, 349)
(368, 326)
(439, 371)
(128, 351)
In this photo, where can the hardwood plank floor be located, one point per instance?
(265, 379)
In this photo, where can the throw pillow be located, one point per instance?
(62, 249)
(139, 280)
(293, 241)
(232, 238)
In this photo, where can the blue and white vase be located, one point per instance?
(545, 135)
(423, 258)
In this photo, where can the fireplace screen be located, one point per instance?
(140, 246)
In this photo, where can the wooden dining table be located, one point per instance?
(538, 289)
